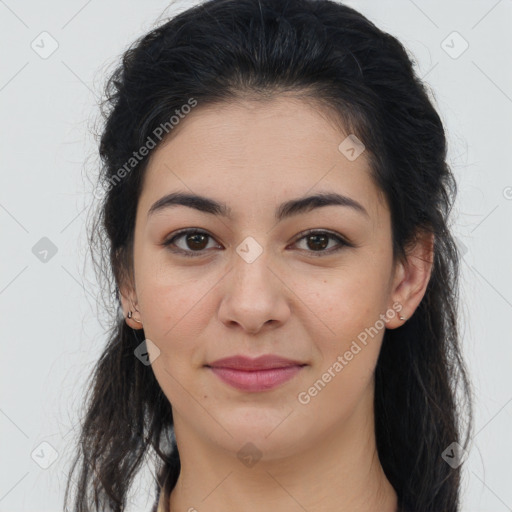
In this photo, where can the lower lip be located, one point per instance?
(257, 380)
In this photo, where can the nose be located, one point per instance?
(254, 296)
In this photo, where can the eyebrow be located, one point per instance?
(285, 210)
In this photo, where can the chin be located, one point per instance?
(271, 434)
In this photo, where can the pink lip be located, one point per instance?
(260, 374)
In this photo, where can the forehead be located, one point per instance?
(263, 150)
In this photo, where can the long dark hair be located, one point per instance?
(225, 49)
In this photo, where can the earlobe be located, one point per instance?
(130, 311)
(131, 317)
(412, 277)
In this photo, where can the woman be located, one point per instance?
(276, 222)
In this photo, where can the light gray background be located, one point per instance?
(51, 335)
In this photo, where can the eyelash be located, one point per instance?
(194, 254)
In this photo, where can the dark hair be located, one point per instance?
(223, 50)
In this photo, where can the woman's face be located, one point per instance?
(253, 284)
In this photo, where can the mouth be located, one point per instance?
(255, 375)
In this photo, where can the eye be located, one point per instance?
(196, 242)
(194, 238)
(319, 240)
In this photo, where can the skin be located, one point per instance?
(319, 456)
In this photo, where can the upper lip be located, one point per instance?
(260, 363)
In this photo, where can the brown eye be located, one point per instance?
(318, 241)
(194, 241)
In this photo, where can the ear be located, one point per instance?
(412, 277)
(128, 298)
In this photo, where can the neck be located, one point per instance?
(341, 473)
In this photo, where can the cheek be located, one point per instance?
(174, 299)
(348, 298)
(346, 308)
(176, 315)
(348, 349)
